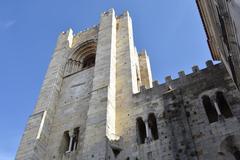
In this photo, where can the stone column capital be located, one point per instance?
(71, 133)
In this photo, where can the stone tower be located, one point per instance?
(98, 102)
(92, 75)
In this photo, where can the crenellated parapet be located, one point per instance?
(187, 79)
(182, 119)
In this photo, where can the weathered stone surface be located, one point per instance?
(113, 110)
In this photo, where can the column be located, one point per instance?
(217, 108)
(147, 132)
(220, 116)
(71, 135)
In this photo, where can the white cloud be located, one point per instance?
(7, 24)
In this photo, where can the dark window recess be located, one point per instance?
(209, 109)
(223, 29)
(66, 141)
(75, 139)
(141, 131)
(223, 105)
(237, 155)
(116, 151)
(89, 61)
(152, 122)
(70, 142)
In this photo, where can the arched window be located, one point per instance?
(82, 58)
(152, 123)
(209, 109)
(141, 131)
(223, 105)
(89, 61)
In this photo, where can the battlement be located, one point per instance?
(195, 70)
(211, 71)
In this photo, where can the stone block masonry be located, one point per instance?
(98, 102)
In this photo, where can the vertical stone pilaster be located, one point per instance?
(145, 70)
(127, 83)
(101, 113)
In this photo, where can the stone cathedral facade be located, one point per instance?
(98, 102)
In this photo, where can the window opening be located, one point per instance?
(152, 123)
(66, 141)
(223, 105)
(89, 61)
(210, 109)
(141, 131)
(71, 140)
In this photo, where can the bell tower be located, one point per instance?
(86, 93)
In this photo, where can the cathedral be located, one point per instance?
(98, 102)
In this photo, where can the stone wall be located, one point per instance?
(112, 110)
(183, 127)
(32, 147)
(71, 112)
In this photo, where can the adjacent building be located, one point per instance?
(221, 19)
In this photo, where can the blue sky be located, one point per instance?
(171, 31)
